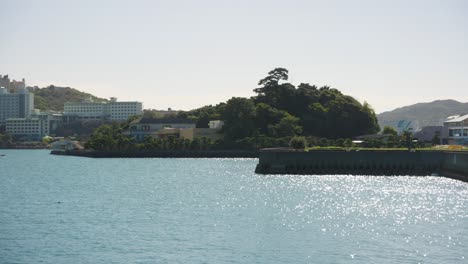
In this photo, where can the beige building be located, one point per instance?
(143, 127)
(192, 133)
(182, 128)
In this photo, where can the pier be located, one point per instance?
(365, 162)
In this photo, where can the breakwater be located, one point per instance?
(159, 154)
(372, 162)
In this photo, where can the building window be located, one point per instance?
(454, 132)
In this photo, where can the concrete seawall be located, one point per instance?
(418, 163)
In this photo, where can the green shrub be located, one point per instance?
(298, 142)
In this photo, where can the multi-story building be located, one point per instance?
(27, 129)
(457, 130)
(35, 127)
(12, 85)
(120, 111)
(15, 105)
(90, 110)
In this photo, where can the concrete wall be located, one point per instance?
(455, 165)
(418, 163)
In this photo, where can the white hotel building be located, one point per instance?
(113, 110)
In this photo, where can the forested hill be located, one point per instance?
(424, 114)
(282, 110)
(53, 97)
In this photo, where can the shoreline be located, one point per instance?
(159, 154)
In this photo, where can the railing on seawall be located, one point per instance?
(364, 162)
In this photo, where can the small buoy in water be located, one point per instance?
(59, 202)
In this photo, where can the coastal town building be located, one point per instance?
(406, 125)
(143, 127)
(89, 110)
(33, 128)
(429, 133)
(12, 84)
(457, 130)
(27, 129)
(193, 133)
(216, 124)
(180, 128)
(15, 105)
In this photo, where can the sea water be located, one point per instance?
(59, 209)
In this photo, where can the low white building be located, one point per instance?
(113, 110)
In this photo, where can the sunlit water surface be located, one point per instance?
(79, 210)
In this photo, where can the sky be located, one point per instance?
(187, 54)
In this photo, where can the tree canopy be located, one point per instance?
(279, 109)
(277, 113)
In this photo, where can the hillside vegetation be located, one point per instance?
(53, 97)
(278, 113)
(424, 114)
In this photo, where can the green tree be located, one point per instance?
(239, 118)
(407, 138)
(108, 138)
(298, 142)
(388, 130)
(436, 139)
(348, 143)
(287, 126)
(273, 78)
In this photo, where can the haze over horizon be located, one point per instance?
(186, 54)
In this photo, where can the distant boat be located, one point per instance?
(1, 155)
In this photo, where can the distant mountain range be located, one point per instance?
(423, 114)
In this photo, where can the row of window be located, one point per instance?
(18, 131)
(458, 132)
(23, 122)
(22, 125)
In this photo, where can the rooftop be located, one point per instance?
(457, 119)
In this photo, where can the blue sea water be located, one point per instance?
(56, 209)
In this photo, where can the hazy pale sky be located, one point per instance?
(186, 54)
